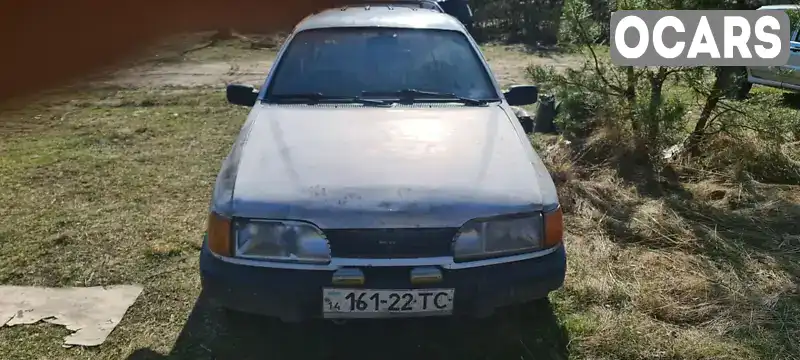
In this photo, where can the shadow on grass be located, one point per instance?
(731, 231)
(763, 225)
(737, 238)
(790, 100)
(745, 229)
(540, 50)
(529, 332)
(546, 51)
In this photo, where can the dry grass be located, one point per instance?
(111, 186)
(707, 271)
(110, 189)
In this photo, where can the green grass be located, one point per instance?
(113, 189)
(112, 186)
(105, 191)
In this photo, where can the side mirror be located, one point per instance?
(519, 95)
(244, 95)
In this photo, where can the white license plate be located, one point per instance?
(365, 303)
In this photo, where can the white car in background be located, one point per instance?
(785, 77)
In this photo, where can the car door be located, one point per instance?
(791, 79)
(765, 75)
(769, 75)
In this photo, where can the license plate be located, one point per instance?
(365, 303)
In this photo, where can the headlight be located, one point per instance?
(281, 241)
(495, 237)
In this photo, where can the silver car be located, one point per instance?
(381, 172)
(782, 77)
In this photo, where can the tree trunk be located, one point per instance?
(656, 98)
(717, 91)
(630, 96)
(653, 125)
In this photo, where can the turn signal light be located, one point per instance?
(553, 227)
(219, 234)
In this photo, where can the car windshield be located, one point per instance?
(380, 62)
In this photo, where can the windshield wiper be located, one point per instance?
(414, 94)
(313, 98)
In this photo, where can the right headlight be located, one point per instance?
(288, 241)
(507, 235)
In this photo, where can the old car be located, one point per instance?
(381, 172)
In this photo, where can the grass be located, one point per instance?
(111, 189)
(702, 263)
(111, 186)
(692, 271)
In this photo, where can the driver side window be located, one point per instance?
(321, 66)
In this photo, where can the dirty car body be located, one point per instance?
(381, 173)
(786, 77)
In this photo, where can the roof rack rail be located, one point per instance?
(424, 4)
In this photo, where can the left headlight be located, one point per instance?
(495, 237)
(288, 241)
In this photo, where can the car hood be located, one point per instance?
(371, 167)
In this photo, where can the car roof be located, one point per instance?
(380, 15)
(779, 7)
(419, 4)
(426, 4)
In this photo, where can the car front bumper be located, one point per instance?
(296, 295)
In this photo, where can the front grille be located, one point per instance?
(390, 243)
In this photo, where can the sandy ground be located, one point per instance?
(192, 74)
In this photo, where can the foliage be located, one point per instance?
(577, 17)
(529, 21)
(546, 22)
(685, 109)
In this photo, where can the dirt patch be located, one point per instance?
(193, 74)
(509, 63)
